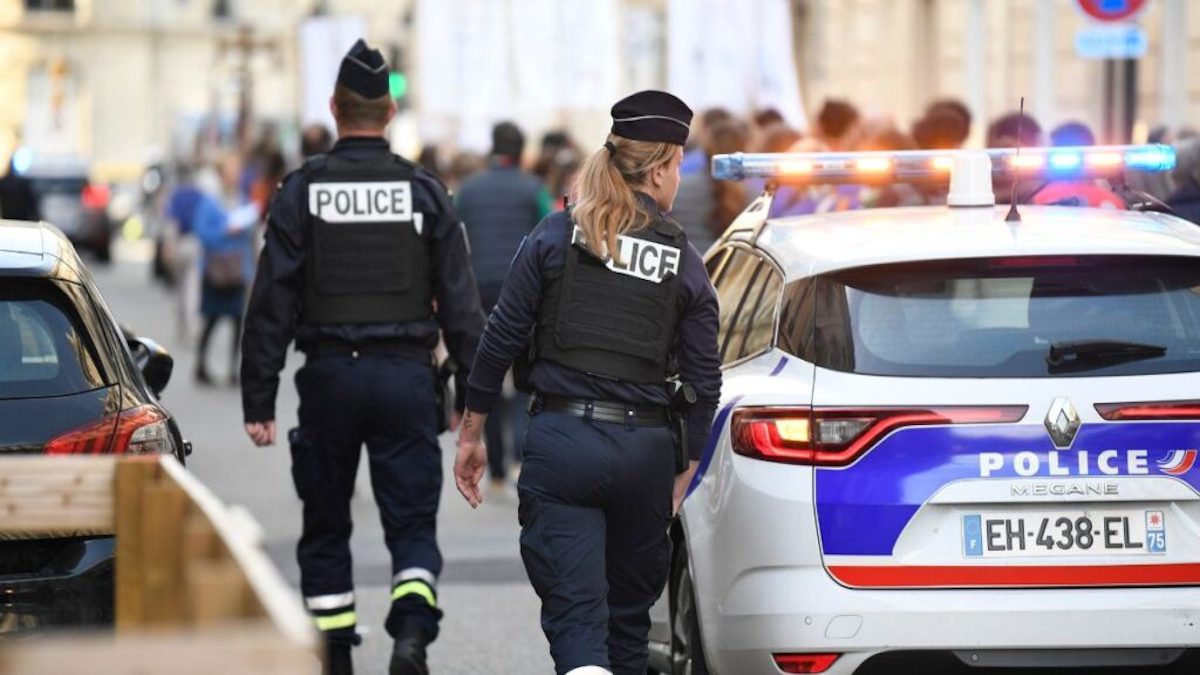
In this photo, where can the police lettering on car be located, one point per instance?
(625, 380)
(349, 270)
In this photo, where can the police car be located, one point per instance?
(948, 435)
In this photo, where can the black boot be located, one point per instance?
(337, 660)
(408, 653)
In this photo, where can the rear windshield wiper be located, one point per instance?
(1085, 354)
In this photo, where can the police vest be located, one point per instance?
(615, 318)
(367, 261)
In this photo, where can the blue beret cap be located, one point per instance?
(363, 71)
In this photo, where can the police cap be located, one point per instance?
(363, 71)
(654, 116)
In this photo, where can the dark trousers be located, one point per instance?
(595, 504)
(385, 402)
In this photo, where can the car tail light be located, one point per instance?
(137, 431)
(834, 437)
(95, 196)
(804, 663)
(1163, 410)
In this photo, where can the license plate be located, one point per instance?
(1075, 533)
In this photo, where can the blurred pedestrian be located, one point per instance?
(359, 243)
(1009, 131)
(705, 206)
(500, 206)
(224, 223)
(315, 139)
(603, 472)
(180, 212)
(1076, 192)
(942, 128)
(839, 125)
(1185, 200)
(694, 157)
(17, 199)
(892, 194)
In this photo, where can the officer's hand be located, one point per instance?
(262, 433)
(455, 420)
(472, 458)
(682, 481)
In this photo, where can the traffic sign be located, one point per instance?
(1111, 10)
(1111, 41)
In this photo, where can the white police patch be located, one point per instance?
(646, 260)
(381, 202)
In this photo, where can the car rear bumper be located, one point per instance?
(803, 610)
(66, 583)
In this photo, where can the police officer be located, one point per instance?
(359, 244)
(617, 302)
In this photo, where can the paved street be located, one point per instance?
(491, 622)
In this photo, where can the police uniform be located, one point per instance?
(596, 484)
(359, 243)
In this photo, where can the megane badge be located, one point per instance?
(1062, 422)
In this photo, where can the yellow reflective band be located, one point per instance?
(336, 621)
(415, 588)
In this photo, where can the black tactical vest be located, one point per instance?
(616, 319)
(367, 260)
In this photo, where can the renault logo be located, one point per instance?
(1062, 422)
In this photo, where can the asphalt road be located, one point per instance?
(491, 613)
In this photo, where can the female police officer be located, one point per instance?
(616, 302)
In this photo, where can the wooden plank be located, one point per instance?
(131, 475)
(163, 507)
(242, 538)
(56, 496)
(244, 648)
(216, 592)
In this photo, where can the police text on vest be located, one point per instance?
(646, 260)
(382, 202)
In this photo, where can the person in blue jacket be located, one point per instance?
(610, 304)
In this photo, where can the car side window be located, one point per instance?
(758, 318)
(739, 275)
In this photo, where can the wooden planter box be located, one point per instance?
(195, 593)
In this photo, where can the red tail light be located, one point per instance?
(1165, 410)
(95, 196)
(834, 437)
(805, 663)
(137, 431)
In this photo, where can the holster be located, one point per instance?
(443, 401)
(681, 403)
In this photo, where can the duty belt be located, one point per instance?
(334, 347)
(603, 411)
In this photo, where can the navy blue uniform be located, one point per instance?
(595, 496)
(362, 383)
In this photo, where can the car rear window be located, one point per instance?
(43, 351)
(1000, 317)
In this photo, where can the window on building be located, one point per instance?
(50, 5)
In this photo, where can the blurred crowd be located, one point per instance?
(212, 209)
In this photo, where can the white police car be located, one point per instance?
(946, 437)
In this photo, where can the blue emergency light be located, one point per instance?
(917, 166)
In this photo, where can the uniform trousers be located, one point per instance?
(595, 505)
(385, 401)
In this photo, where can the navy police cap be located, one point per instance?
(363, 71)
(654, 116)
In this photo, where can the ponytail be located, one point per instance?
(604, 204)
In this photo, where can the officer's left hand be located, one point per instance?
(682, 482)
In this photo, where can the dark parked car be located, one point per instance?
(72, 381)
(66, 197)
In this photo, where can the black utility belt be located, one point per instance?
(373, 347)
(603, 411)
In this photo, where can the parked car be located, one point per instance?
(77, 206)
(71, 382)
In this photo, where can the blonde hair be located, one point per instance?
(604, 204)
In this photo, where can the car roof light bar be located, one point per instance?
(924, 166)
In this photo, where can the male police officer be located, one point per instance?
(359, 244)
